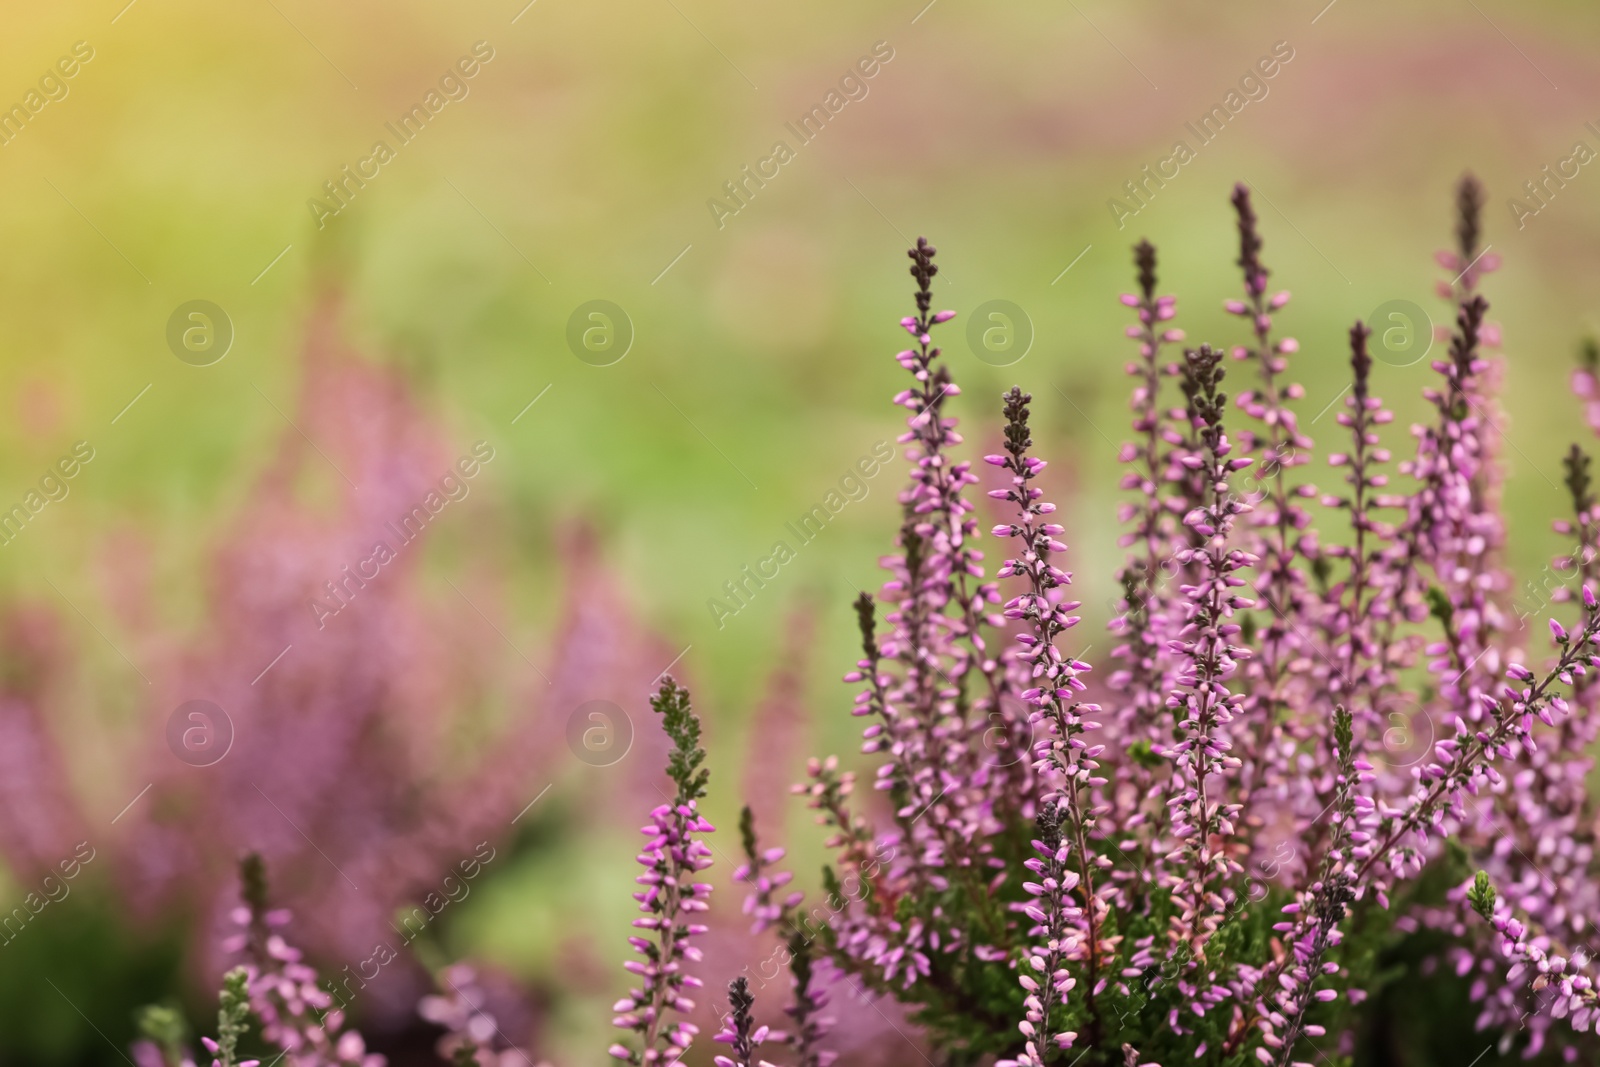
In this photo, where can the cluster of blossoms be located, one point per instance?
(1320, 734)
(273, 992)
(296, 1014)
(740, 1032)
(809, 995)
(1317, 701)
(471, 1033)
(279, 1001)
(763, 904)
(674, 857)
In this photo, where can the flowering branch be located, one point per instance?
(233, 1010)
(672, 857)
(1199, 818)
(296, 1014)
(1275, 525)
(1148, 514)
(739, 1030)
(1326, 904)
(771, 912)
(1062, 751)
(1573, 993)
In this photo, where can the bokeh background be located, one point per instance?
(374, 749)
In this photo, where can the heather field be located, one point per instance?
(1068, 526)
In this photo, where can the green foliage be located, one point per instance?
(1481, 896)
(165, 1025)
(1134, 1010)
(1343, 734)
(747, 834)
(253, 879)
(683, 728)
(1144, 754)
(1439, 605)
(233, 1013)
(969, 1007)
(80, 955)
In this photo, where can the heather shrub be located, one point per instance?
(1207, 847)
(371, 730)
(1203, 848)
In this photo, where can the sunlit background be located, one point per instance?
(442, 309)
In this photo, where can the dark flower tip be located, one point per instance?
(1255, 273)
(1144, 258)
(1202, 374)
(1018, 439)
(1360, 358)
(867, 621)
(1470, 198)
(1576, 465)
(253, 882)
(923, 269)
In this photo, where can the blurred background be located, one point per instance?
(585, 272)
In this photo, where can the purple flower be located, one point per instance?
(296, 1014)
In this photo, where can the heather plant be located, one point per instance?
(1205, 856)
(379, 737)
(472, 1034)
(296, 1012)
